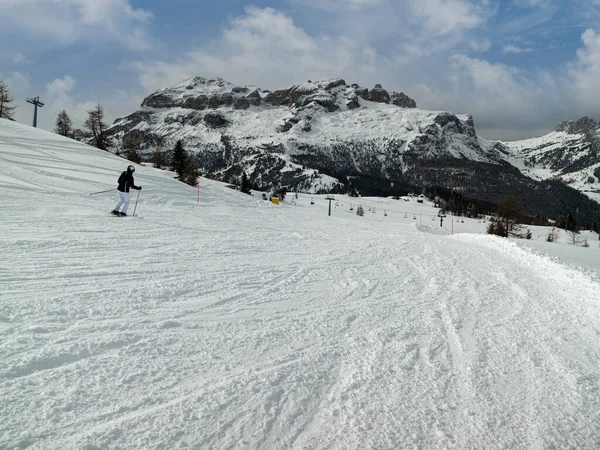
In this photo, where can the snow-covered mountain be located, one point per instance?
(571, 153)
(329, 136)
(287, 137)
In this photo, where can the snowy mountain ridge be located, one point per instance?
(571, 154)
(288, 136)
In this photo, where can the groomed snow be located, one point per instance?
(234, 323)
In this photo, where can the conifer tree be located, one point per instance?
(191, 170)
(6, 108)
(64, 126)
(245, 187)
(179, 160)
(95, 124)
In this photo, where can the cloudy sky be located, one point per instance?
(518, 66)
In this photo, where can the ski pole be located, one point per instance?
(102, 192)
(136, 200)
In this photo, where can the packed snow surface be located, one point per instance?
(234, 323)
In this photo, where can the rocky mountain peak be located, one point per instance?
(333, 94)
(585, 125)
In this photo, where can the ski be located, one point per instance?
(126, 217)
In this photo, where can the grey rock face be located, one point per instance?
(214, 119)
(353, 102)
(334, 83)
(288, 124)
(585, 125)
(159, 101)
(241, 103)
(362, 92)
(402, 100)
(279, 98)
(219, 100)
(379, 95)
(254, 98)
(240, 90)
(198, 103)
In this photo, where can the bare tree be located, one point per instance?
(6, 108)
(64, 126)
(95, 124)
(575, 238)
(552, 235)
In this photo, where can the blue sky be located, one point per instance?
(518, 66)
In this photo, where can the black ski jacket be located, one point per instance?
(126, 182)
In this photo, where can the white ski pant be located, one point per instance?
(123, 200)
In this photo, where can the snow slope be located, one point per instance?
(234, 323)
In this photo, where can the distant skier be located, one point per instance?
(125, 183)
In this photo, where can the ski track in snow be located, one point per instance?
(232, 324)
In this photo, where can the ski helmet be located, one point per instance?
(131, 169)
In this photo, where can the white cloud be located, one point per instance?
(339, 5)
(68, 21)
(585, 73)
(481, 46)
(264, 47)
(441, 17)
(19, 58)
(506, 102)
(61, 94)
(534, 3)
(515, 50)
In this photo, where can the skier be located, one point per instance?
(125, 182)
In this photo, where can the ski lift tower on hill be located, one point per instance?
(330, 199)
(441, 216)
